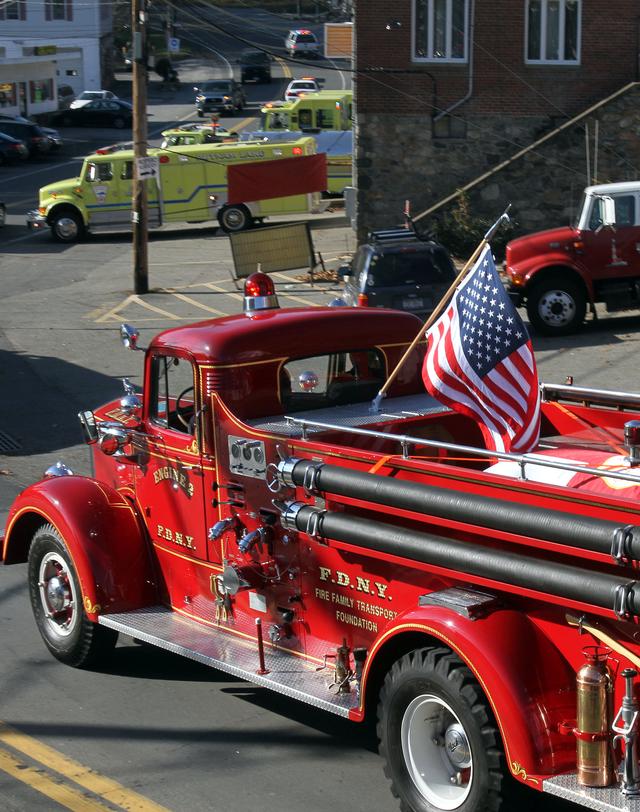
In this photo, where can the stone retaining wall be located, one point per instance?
(397, 158)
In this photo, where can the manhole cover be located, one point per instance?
(8, 445)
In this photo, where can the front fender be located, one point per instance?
(102, 533)
(529, 684)
(67, 202)
(529, 271)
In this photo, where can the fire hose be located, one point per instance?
(561, 580)
(584, 532)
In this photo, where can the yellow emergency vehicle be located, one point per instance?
(322, 110)
(191, 185)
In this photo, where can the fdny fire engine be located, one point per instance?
(251, 511)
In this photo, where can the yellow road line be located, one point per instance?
(195, 303)
(106, 788)
(36, 779)
(285, 67)
(232, 294)
(114, 312)
(242, 125)
(154, 309)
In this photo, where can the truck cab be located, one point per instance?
(561, 272)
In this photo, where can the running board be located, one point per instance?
(287, 674)
(605, 799)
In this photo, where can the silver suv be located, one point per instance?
(302, 42)
(396, 269)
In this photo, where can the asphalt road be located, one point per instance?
(177, 734)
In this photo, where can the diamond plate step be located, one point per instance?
(607, 799)
(288, 674)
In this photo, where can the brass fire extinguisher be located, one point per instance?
(594, 719)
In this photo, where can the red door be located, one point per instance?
(171, 482)
(614, 253)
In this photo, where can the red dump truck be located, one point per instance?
(251, 511)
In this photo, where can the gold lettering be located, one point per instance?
(190, 543)
(160, 529)
(382, 589)
(325, 572)
(342, 579)
(362, 584)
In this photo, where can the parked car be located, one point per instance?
(301, 87)
(98, 113)
(12, 149)
(255, 65)
(302, 42)
(396, 269)
(91, 95)
(33, 136)
(53, 136)
(221, 96)
(66, 95)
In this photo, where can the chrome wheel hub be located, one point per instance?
(437, 752)
(67, 227)
(557, 308)
(234, 219)
(57, 594)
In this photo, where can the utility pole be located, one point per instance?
(139, 214)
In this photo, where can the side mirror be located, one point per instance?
(608, 212)
(129, 337)
(89, 429)
(114, 437)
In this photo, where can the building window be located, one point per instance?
(440, 30)
(553, 31)
(7, 94)
(40, 90)
(58, 9)
(13, 10)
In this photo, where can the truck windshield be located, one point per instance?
(210, 87)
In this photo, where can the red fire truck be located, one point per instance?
(251, 511)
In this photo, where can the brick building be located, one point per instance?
(447, 90)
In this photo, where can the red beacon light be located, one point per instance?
(259, 293)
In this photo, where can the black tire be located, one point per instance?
(200, 113)
(56, 600)
(119, 123)
(436, 727)
(66, 225)
(235, 218)
(556, 307)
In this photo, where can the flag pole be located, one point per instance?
(504, 218)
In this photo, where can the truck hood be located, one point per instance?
(540, 242)
(61, 188)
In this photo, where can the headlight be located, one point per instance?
(226, 98)
(199, 98)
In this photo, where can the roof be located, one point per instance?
(613, 188)
(290, 332)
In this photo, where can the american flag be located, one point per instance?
(480, 361)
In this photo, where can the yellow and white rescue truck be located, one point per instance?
(231, 184)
